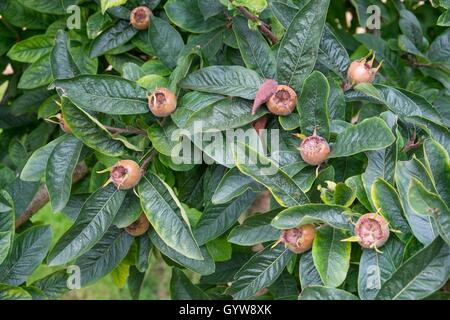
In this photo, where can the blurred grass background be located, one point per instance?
(156, 282)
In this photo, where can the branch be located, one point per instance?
(261, 25)
(41, 197)
(126, 130)
(149, 159)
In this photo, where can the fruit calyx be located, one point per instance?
(299, 239)
(140, 17)
(125, 174)
(314, 149)
(283, 101)
(162, 102)
(139, 227)
(361, 71)
(372, 230)
(60, 120)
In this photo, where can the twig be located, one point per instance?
(261, 25)
(41, 197)
(126, 130)
(147, 160)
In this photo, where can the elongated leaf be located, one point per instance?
(167, 216)
(216, 219)
(438, 161)
(106, 4)
(309, 276)
(254, 49)
(106, 255)
(370, 134)
(255, 229)
(60, 167)
(8, 292)
(104, 93)
(31, 49)
(51, 6)
(386, 199)
(7, 224)
(203, 267)
(95, 217)
(112, 38)
(259, 272)
(90, 131)
(63, 65)
(332, 54)
(412, 280)
(376, 268)
(28, 252)
(299, 47)
(324, 293)
(439, 51)
(331, 256)
(285, 191)
(37, 74)
(166, 41)
(313, 106)
(296, 216)
(181, 288)
(234, 81)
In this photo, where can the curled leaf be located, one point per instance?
(267, 89)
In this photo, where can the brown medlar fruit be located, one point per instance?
(162, 102)
(314, 150)
(299, 239)
(372, 229)
(125, 174)
(139, 227)
(283, 101)
(140, 17)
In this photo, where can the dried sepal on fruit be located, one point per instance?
(299, 239)
(125, 174)
(371, 231)
(162, 102)
(361, 71)
(139, 227)
(314, 149)
(283, 101)
(140, 17)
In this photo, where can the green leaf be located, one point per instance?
(31, 49)
(63, 65)
(254, 49)
(181, 288)
(332, 215)
(50, 6)
(105, 256)
(89, 130)
(152, 81)
(217, 219)
(285, 191)
(234, 81)
(129, 211)
(220, 249)
(8, 292)
(60, 167)
(343, 195)
(7, 224)
(210, 8)
(313, 106)
(332, 54)
(253, 5)
(259, 272)
(27, 253)
(425, 202)
(112, 38)
(37, 74)
(369, 134)
(95, 217)
(203, 267)
(53, 285)
(375, 268)
(254, 230)
(309, 276)
(166, 41)
(104, 93)
(299, 47)
(410, 26)
(386, 201)
(423, 227)
(412, 280)
(106, 4)
(438, 162)
(324, 293)
(187, 15)
(331, 256)
(439, 49)
(167, 216)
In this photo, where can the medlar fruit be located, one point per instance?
(372, 230)
(139, 227)
(314, 150)
(125, 174)
(162, 102)
(140, 17)
(299, 239)
(283, 101)
(361, 71)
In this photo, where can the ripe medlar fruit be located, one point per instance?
(62, 123)
(314, 150)
(361, 71)
(283, 101)
(162, 102)
(299, 239)
(140, 17)
(125, 174)
(139, 227)
(372, 229)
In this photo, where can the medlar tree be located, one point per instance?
(96, 97)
